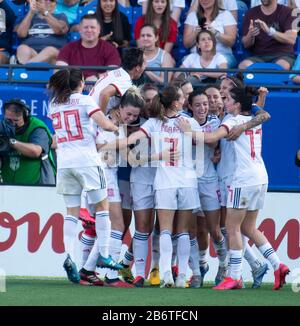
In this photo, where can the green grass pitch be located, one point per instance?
(60, 292)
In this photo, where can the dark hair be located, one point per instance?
(118, 34)
(18, 106)
(166, 17)
(132, 58)
(90, 16)
(132, 97)
(212, 36)
(63, 83)
(242, 96)
(147, 87)
(237, 79)
(163, 101)
(196, 92)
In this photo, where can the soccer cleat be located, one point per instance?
(281, 272)
(258, 275)
(71, 269)
(174, 271)
(203, 270)
(138, 282)
(229, 284)
(108, 262)
(222, 273)
(126, 273)
(180, 281)
(168, 281)
(117, 283)
(196, 282)
(154, 277)
(90, 277)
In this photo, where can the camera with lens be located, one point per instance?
(7, 131)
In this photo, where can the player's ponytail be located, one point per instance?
(63, 83)
(163, 101)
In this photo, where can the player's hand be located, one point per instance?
(183, 124)
(235, 132)
(169, 156)
(217, 156)
(263, 91)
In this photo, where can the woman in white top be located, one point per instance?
(128, 112)
(219, 22)
(79, 164)
(175, 182)
(154, 55)
(206, 57)
(247, 191)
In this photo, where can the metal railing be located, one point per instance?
(12, 69)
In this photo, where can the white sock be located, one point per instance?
(70, 227)
(140, 252)
(115, 246)
(203, 258)
(183, 252)
(269, 253)
(249, 255)
(91, 262)
(221, 250)
(155, 249)
(174, 252)
(194, 257)
(235, 264)
(165, 250)
(87, 243)
(128, 258)
(103, 229)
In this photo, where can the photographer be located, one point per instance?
(29, 159)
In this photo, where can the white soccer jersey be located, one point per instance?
(74, 131)
(249, 166)
(119, 78)
(164, 135)
(209, 171)
(226, 165)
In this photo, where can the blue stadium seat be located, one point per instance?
(127, 11)
(3, 73)
(265, 79)
(136, 13)
(19, 10)
(73, 36)
(88, 9)
(297, 46)
(30, 74)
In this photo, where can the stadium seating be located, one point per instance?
(30, 73)
(88, 9)
(127, 11)
(3, 73)
(265, 79)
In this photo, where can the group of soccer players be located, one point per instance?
(195, 168)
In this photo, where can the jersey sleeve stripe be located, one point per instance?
(117, 88)
(94, 111)
(225, 126)
(145, 132)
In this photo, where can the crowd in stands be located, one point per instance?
(95, 33)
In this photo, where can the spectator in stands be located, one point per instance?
(176, 7)
(230, 5)
(268, 34)
(158, 14)
(30, 160)
(155, 56)
(290, 3)
(115, 27)
(90, 50)
(7, 20)
(220, 22)
(69, 8)
(205, 58)
(44, 32)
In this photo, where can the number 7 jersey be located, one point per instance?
(74, 131)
